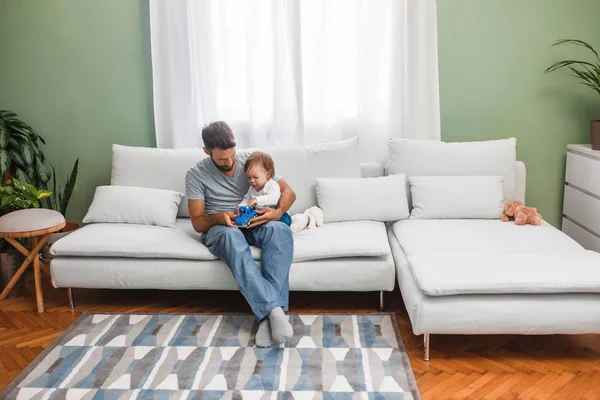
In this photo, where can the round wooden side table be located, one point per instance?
(36, 224)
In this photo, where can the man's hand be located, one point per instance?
(252, 203)
(267, 214)
(226, 219)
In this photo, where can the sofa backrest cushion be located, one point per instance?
(457, 197)
(134, 205)
(154, 168)
(432, 158)
(300, 166)
(380, 198)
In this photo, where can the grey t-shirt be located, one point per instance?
(219, 191)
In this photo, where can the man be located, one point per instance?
(214, 188)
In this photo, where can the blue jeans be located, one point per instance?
(264, 290)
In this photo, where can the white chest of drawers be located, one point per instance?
(581, 206)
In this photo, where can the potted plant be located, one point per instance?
(20, 154)
(22, 158)
(588, 73)
(15, 195)
(60, 202)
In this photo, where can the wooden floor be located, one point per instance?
(462, 367)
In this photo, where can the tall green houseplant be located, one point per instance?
(588, 73)
(20, 153)
(60, 200)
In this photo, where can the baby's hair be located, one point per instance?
(262, 159)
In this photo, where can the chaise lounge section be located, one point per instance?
(483, 276)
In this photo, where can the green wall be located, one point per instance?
(492, 54)
(79, 72)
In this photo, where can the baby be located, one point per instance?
(263, 191)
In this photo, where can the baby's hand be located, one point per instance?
(252, 203)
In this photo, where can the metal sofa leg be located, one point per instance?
(426, 347)
(381, 300)
(71, 300)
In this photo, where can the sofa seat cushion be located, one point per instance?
(344, 239)
(454, 273)
(133, 240)
(452, 257)
(477, 235)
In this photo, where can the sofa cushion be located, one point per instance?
(493, 157)
(451, 257)
(434, 235)
(346, 239)
(452, 197)
(154, 168)
(134, 205)
(363, 199)
(133, 240)
(453, 273)
(342, 239)
(301, 165)
(298, 165)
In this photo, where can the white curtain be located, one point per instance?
(292, 72)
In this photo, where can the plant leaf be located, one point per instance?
(42, 194)
(586, 77)
(3, 134)
(22, 136)
(22, 203)
(20, 175)
(27, 153)
(576, 42)
(566, 63)
(8, 200)
(595, 87)
(69, 187)
(22, 129)
(33, 190)
(42, 171)
(60, 199)
(31, 174)
(6, 113)
(16, 156)
(5, 162)
(53, 200)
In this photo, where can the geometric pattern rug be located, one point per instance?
(213, 356)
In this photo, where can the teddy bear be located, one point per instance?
(521, 214)
(309, 219)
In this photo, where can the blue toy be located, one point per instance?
(244, 216)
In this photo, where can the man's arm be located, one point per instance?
(286, 200)
(202, 223)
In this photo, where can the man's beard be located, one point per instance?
(223, 169)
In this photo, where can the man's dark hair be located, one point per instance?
(218, 134)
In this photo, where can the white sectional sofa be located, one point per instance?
(456, 275)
